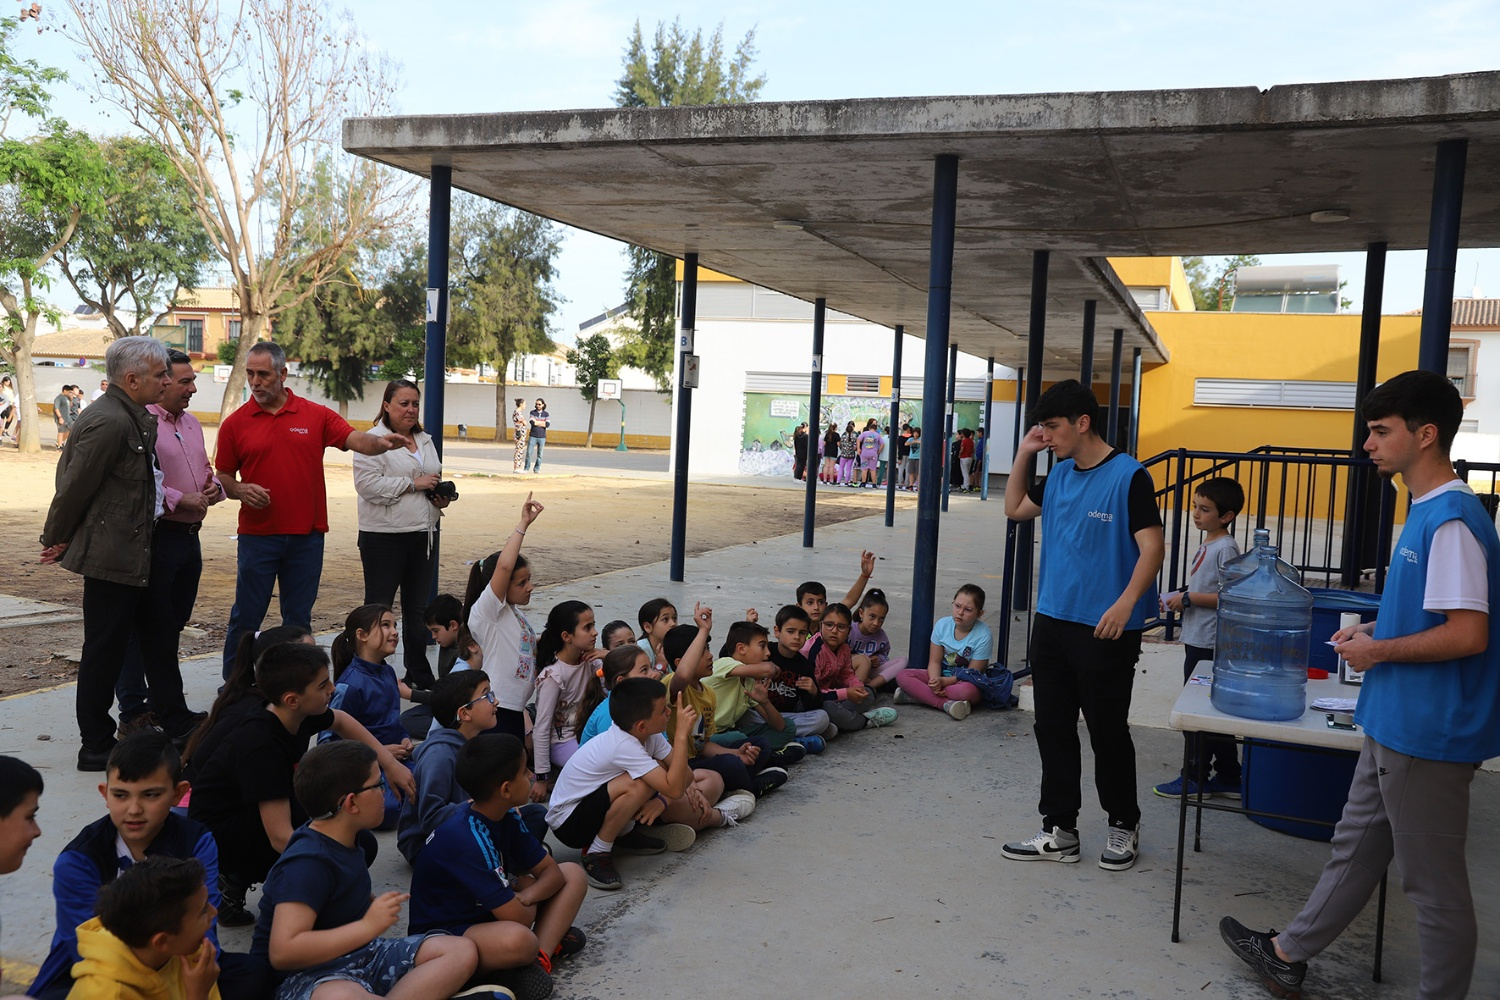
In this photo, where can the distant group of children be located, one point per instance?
(629, 741)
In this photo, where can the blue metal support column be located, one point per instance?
(948, 428)
(989, 431)
(1361, 510)
(682, 437)
(1135, 400)
(890, 465)
(1442, 254)
(1035, 358)
(815, 422)
(939, 301)
(1114, 389)
(1086, 362)
(435, 361)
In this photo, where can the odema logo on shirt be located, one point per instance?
(297, 430)
(1102, 515)
(1408, 554)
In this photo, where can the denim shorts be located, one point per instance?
(377, 967)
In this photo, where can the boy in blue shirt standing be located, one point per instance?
(1101, 550)
(1215, 504)
(1429, 705)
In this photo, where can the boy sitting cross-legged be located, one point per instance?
(318, 923)
(793, 689)
(738, 680)
(150, 940)
(465, 707)
(617, 779)
(142, 781)
(484, 876)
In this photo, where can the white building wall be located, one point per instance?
(1479, 441)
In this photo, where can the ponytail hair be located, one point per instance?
(480, 575)
(365, 618)
(241, 680)
(873, 596)
(563, 618)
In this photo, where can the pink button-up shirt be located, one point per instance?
(183, 459)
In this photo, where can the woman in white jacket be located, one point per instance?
(397, 519)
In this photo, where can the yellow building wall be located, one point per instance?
(1156, 272)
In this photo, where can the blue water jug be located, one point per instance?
(1244, 564)
(1261, 648)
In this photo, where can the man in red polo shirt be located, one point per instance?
(270, 458)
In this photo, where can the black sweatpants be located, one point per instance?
(402, 559)
(1073, 672)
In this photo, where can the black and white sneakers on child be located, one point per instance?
(1258, 951)
(1055, 844)
(1120, 848)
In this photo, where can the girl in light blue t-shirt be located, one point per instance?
(958, 641)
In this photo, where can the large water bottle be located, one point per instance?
(1260, 652)
(1245, 563)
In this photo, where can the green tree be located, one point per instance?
(337, 332)
(594, 360)
(1212, 282)
(675, 70)
(502, 263)
(47, 184)
(403, 299)
(143, 246)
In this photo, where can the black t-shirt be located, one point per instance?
(783, 690)
(229, 719)
(1141, 499)
(325, 876)
(253, 763)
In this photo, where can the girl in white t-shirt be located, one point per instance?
(499, 586)
(562, 688)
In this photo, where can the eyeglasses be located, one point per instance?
(488, 696)
(833, 627)
(368, 788)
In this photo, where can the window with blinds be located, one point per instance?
(1286, 395)
(1462, 355)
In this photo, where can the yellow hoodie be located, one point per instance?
(110, 971)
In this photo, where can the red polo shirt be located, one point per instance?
(282, 452)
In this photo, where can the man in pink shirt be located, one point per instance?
(188, 489)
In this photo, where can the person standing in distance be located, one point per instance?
(1429, 706)
(188, 490)
(1102, 547)
(538, 418)
(270, 458)
(100, 526)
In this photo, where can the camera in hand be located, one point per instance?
(444, 490)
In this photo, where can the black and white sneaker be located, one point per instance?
(1055, 844)
(767, 781)
(1120, 848)
(1258, 951)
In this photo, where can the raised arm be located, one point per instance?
(866, 567)
(500, 582)
(366, 443)
(1018, 505)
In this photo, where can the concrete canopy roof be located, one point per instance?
(1083, 175)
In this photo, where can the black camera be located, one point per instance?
(444, 490)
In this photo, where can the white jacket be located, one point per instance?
(387, 501)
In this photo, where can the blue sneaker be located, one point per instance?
(812, 744)
(1179, 786)
(1221, 788)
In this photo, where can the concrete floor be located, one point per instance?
(876, 871)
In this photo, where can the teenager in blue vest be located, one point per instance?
(1429, 706)
(1101, 550)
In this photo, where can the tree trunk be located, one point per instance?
(252, 325)
(28, 430)
(344, 409)
(502, 415)
(588, 441)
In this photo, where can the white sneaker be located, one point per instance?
(735, 807)
(1119, 853)
(900, 698)
(1055, 844)
(831, 732)
(957, 709)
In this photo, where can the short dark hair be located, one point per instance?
(176, 357)
(1227, 496)
(792, 613)
(1418, 397)
(329, 772)
(742, 633)
(452, 693)
(288, 668)
(444, 610)
(18, 779)
(811, 587)
(143, 753)
(975, 593)
(676, 642)
(149, 898)
(634, 699)
(1070, 399)
(486, 762)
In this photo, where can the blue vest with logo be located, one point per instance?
(1088, 551)
(1448, 710)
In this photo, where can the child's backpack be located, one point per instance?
(994, 684)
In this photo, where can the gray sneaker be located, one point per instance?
(957, 709)
(1055, 844)
(1120, 850)
(900, 697)
(1258, 951)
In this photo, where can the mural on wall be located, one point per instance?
(771, 417)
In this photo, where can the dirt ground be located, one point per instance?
(591, 525)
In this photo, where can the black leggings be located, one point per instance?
(402, 559)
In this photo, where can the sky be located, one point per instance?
(461, 56)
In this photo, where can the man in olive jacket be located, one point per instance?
(99, 526)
